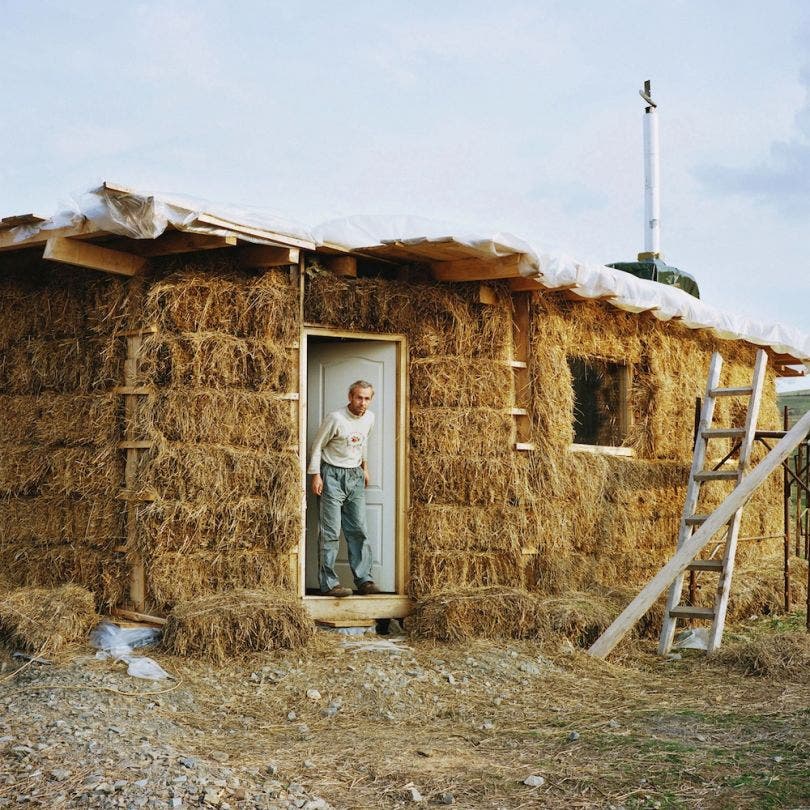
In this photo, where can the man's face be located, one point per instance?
(359, 400)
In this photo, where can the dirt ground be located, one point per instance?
(386, 721)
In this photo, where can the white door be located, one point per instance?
(332, 366)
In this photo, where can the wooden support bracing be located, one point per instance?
(700, 539)
(477, 269)
(345, 266)
(93, 257)
(268, 256)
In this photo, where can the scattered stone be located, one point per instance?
(313, 694)
(674, 657)
(573, 736)
(529, 667)
(271, 768)
(220, 756)
(487, 725)
(445, 798)
(188, 762)
(412, 793)
(292, 716)
(309, 764)
(613, 724)
(534, 781)
(778, 759)
(303, 730)
(60, 774)
(294, 787)
(451, 679)
(176, 802)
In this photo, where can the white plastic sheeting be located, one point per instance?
(146, 215)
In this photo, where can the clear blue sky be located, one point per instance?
(511, 116)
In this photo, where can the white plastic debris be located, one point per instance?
(118, 643)
(696, 638)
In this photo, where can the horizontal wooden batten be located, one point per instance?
(93, 257)
(384, 606)
(601, 449)
(20, 219)
(174, 242)
(477, 269)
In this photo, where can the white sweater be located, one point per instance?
(342, 440)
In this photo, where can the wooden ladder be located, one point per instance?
(744, 439)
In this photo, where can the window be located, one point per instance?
(601, 401)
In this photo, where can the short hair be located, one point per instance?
(360, 384)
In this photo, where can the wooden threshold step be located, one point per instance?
(687, 612)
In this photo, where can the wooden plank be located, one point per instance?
(282, 239)
(345, 266)
(486, 295)
(699, 540)
(524, 446)
(268, 256)
(519, 411)
(93, 257)
(145, 330)
(174, 242)
(743, 391)
(526, 284)
(384, 606)
(477, 269)
(21, 219)
(132, 390)
(85, 230)
(137, 616)
(134, 444)
(601, 450)
(345, 622)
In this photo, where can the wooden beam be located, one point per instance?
(526, 284)
(384, 606)
(136, 616)
(701, 538)
(486, 295)
(21, 219)
(268, 256)
(341, 265)
(477, 269)
(86, 231)
(173, 242)
(94, 257)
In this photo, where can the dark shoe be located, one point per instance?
(338, 590)
(368, 588)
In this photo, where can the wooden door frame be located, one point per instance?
(394, 603)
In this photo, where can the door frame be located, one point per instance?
(401, 418)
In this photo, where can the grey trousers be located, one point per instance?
(343, 504)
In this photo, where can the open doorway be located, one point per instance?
(333, 363)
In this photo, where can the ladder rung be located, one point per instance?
(732, 392)
(686, 612)
(723, 433)
(716, 475)
(705, 565)
(696, 520)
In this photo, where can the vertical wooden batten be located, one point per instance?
(521, 321)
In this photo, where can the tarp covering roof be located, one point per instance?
(146, 215)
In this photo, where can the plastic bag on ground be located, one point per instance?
(142, 667)
(119, 641)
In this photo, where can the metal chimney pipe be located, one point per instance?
(652, 177)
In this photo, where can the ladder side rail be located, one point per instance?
(685, 530)
(701, 538)
(724, 582)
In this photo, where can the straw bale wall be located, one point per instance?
(552, 520)
(223, 468)
(60, 469)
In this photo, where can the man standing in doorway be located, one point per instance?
(339, 469)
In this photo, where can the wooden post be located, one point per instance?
(701, 538)
(521, 324)
(137, 583)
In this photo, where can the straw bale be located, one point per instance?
(495, 479)
(78, 419)
(212, 296)
(453, 431)
(781, 655)
(483, 612)
(29, 565)
(581, 617)
(44, 620)
(758, 586)
(176, 577)
(468, 528)
(213, 473)
(227, 526)
(439, 319)
(231, 624)
(18, 417)
(88, 472)
(449, 570)
(260, 421)
(460, 382)
(59, 520)
(218, 360)
(23, 469)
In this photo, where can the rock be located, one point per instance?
(445, 798)
(120, 784)
(271, 768)
(777, 759)
(573, 736)
(295, 788)
(60, 774)
(529, 667)
(303, 730)
(450, 679)
(309, 764)
(412, 793)
(176, 802)
(487, 725)
(497, 701)
(329, 711)
(613, 724)
(220, 756)
(141, 783)
(316, 804)
(674, 657)
(534, 781)
(292, 716)
(188, 762)
(313, 694)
